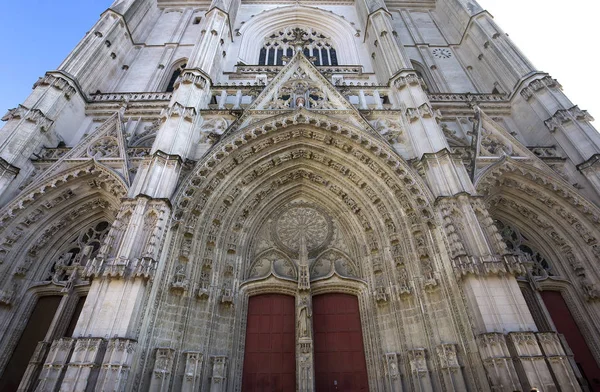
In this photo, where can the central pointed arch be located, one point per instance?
(380, 209)
(339, 30)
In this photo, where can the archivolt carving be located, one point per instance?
(398, 176)
(524, 194)
(40, 209)
(98, 176)
(553, 186)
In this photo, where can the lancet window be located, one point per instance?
(284, 44)
(176, 73)
(518, 243)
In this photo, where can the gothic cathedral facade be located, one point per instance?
(278, 195)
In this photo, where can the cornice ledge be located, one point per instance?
(122, 18)
(371, 14)
(226, 13)
(70, 78)
(591, 162)
(164, 200)
(8, 168)
(462, 194)
(444, 152)
(163, 156)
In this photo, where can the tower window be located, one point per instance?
(282, 43)
(176, 73)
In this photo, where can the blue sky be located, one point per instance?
(560, 38)
(35, 36)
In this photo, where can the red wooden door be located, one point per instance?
(270, 353)
(565, 324)
(339, 352)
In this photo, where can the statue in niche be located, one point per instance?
(300, 101)
(304, 315)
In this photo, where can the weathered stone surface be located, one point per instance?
(237, 149)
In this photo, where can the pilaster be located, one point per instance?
(591, 170)
(116, 365)
(483, 266)
(420, 373)
(392, 372)
(498, 363)
(501, 53)
(218, 379)
(163, 366)
(529, 361)
(97, 53)
(558, 361)
(55, 366)
(452, 374)
(84, 365)
(388, 54)
(125, 263)
(192, 372)
(422, 120)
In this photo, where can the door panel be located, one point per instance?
(339, 352)
(270, 352)
(566, 325)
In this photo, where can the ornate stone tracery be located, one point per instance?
(302, 222)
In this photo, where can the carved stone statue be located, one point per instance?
(304, 315)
